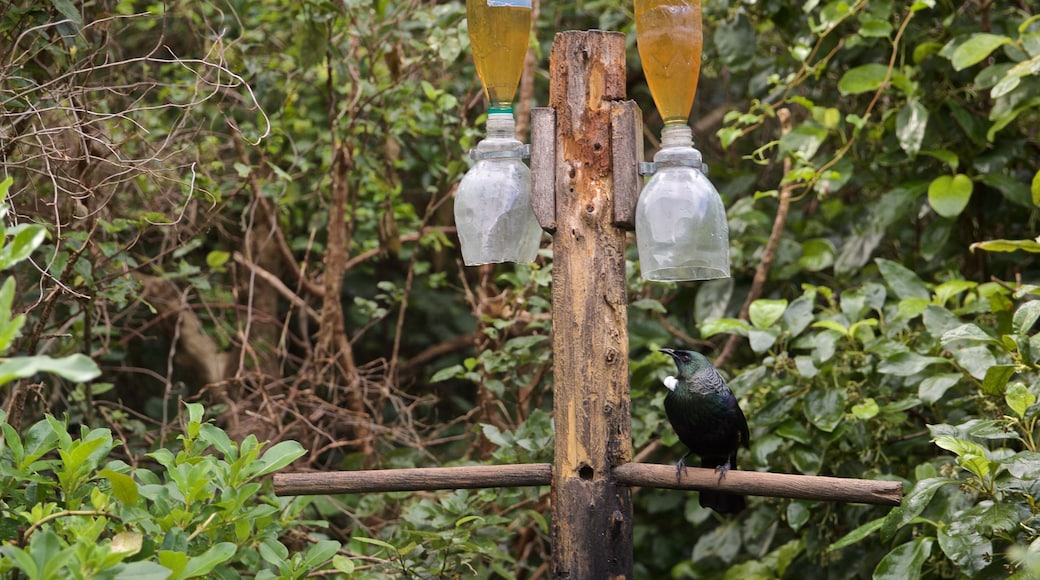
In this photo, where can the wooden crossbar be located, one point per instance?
(868, 491)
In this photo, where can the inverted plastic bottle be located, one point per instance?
(493, 212)
(681, 228)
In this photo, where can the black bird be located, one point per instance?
(707, 419)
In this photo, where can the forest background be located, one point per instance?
(230, 223)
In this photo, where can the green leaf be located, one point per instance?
(762, 340)
(817, 254)
(276, 458)
(949, 195)
(650, 305)
(1032, 246)
(447, 373)
(205, 563)
(217, 259)
(919, 5)
(831, 325)
(494, 435)
(977, 47)
(724, 326)
(26, 239)
(1034, 188)
(867, 409)
(905, 561)
(914, 503)
(143, 571)
(862, 79)
(805, 366)
(959, 446)
(343, 564)
(804, 141)
(825, 408)
(798, 315)
(219, 439)
(996, 379)
(68, 10)
(857, 534)
(1024, 465)
(1019, 398)
(901, 280)
(948, 157)
(1025, 317)
(10, 328)
(75, 367)
(375, 542)
(962, 543)
(934, 387)
(319, 553)
(905, 364)
(765, 313)
(970, 332)
(970, 456)
(124, 488)
(911, 124)
(977, 360)
(798, 513)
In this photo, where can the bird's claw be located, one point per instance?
(722, 470)
(680, 469)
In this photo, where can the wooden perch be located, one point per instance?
(423, 478)
(880, 492)
(810, 487)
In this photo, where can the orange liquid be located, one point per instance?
(669, 36)
(499, 31)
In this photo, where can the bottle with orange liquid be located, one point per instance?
(670, 38)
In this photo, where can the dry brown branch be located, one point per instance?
(277, 284)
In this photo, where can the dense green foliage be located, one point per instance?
(248, 204)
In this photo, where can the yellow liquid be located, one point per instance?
(499, 31)
(669, 36)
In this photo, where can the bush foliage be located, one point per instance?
(245, 207)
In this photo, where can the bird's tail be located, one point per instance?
(723, 503)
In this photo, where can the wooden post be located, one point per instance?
(591, 513)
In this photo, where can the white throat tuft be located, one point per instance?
(670, 383)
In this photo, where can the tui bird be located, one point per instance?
(707, 419)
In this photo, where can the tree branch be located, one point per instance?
(769, 254)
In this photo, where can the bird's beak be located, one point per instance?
(667, 351)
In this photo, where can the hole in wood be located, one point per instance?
(586, 472)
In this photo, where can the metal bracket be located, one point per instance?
(522, 152)
(650, 168)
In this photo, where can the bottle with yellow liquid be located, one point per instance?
(499, 31)
(669, 36)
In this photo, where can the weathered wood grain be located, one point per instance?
(879, 492)
(591, 514)
(417, 479)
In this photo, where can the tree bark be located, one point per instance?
(591, 513)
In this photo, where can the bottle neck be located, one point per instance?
(501, 141)
(676, 136)
(677, 148)
(501, 126)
